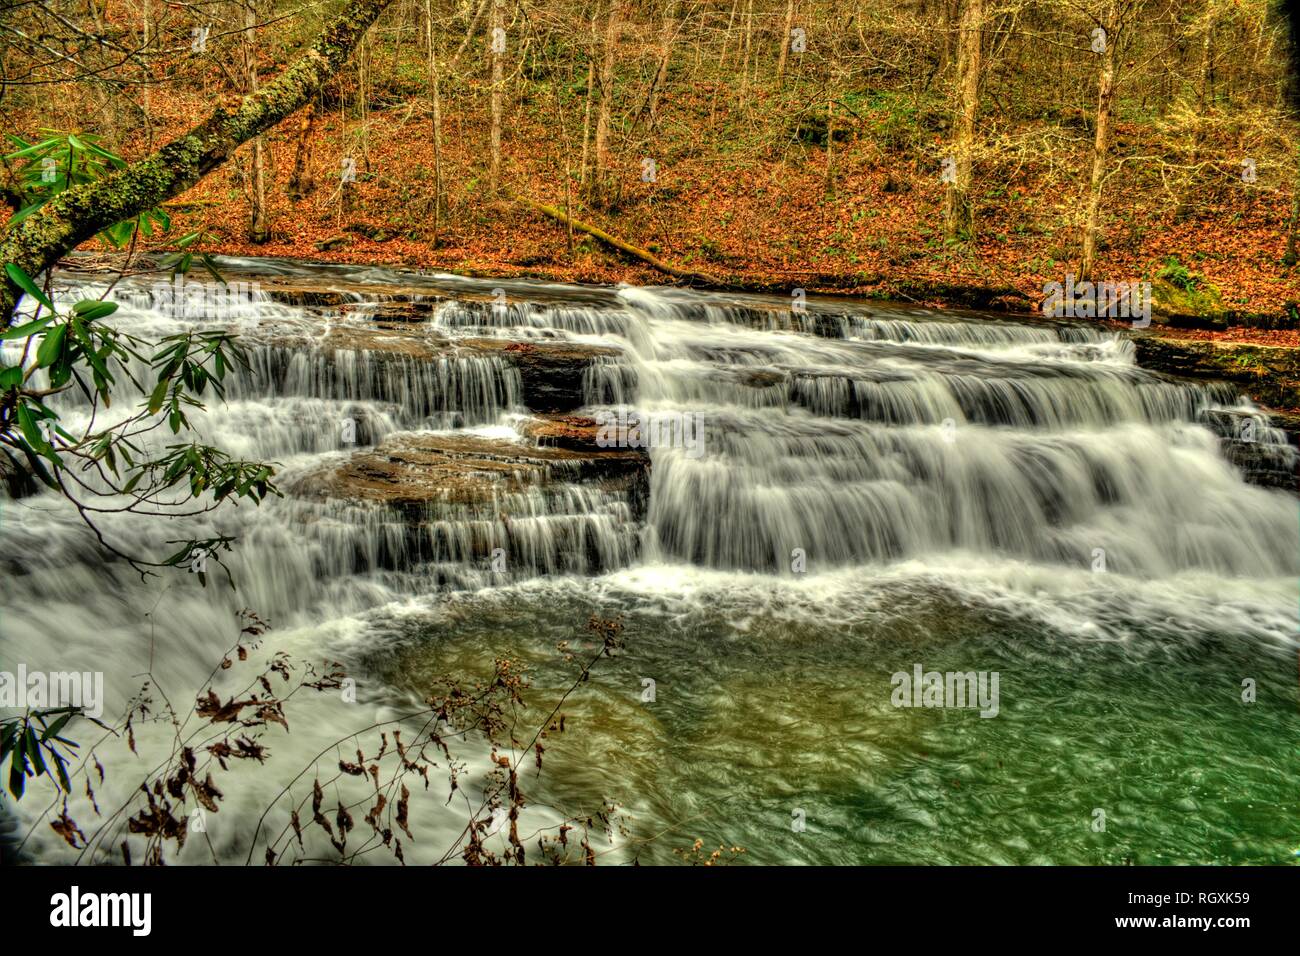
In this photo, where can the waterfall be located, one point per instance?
(855, 437)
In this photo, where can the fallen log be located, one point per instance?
(625, 247)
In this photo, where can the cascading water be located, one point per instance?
(874, 487)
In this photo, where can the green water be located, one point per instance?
(771, 700)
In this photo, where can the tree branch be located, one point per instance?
(74, 216)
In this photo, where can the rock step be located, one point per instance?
(457, 502)
(1269, 374)
(413, 471)
(551, 374)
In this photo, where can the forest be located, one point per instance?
(930, 150)
(700, 432)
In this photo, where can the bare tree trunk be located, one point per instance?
(586, 113)
(665, 55)
(363, 98)
(606, 97)
(1204, 98)
(785, 40)
(726, 36)
(300, 180)
(401, 30)
(146, 35)
(1289, 257)
(259, 230)
(1205, 83)
(722, 59)
(749, 38)
(830, 144)
(1101, 142)
(959, 216)
(435, 92)
(947, 9)
(497, 44)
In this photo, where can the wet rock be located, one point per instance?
(309, 296)
(1262, 446)
(398, 314)
(380, 342)
(411, 471)
(1270, 466)
(475, 510)
(552, 374)
(1270, 374)
(572, 432)
(342, 294)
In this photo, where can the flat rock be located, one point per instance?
(412, 471)
(572, 432)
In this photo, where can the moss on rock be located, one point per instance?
(1187, 301)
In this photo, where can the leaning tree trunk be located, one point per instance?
(74, 216)
(959, 216)
(1101, 143)
(469, 34)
